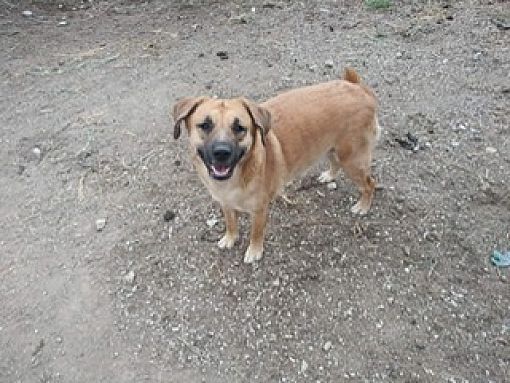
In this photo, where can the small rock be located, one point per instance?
(327, 346)
(37, 153)
(223, 55)
(240, 19)
(27, 13)
(502, 24)
(100, 224)
(329, 64)
(269, 4)
(169, 215)
(211, 222)
(491, 150)
(312, 68)
(304, 366)
(276, 282)
(331, 185)
(130, 277)
(62, 23)
(58, 339)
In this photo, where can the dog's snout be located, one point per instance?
(222, 152)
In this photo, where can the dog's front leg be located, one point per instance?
(231, 229)
(258, 226)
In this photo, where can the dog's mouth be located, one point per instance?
(220, 172)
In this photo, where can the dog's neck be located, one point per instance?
(255, 164)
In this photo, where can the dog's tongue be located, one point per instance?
(220, 170)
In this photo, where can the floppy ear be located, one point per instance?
(183, 109)
(260, 116)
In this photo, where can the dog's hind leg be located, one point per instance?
(232, 231)
(334, 165)
(356, 164)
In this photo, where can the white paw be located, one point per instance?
(253, 254)
(325, 177)
(227, 241)
(360, 208)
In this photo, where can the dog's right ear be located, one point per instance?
(182, 110)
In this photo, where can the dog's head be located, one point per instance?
(221, 132)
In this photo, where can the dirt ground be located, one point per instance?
(109, 271)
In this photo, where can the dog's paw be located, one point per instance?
(325, 177)
(253, 254)
(227, 241)
(361, 208)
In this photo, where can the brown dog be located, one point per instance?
(245, 152)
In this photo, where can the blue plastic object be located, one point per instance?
(500, 259)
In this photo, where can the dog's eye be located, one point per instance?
(238, 129)
(206, 126)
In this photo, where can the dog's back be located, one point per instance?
(320, 116)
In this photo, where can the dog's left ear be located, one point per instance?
(260, 116)
(182, 110)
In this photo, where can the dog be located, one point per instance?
(245, 153)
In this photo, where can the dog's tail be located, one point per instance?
(352, 76)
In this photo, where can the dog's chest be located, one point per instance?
(231, 195)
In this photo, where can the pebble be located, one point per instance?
(130, 277)
(327, 346)
(312, 67)
(331, 185)
(27, 13)
(329, 64)
(212, 222)
(100, 224)
(240, 19)
(304, 366)
(37, 152)
(169, 215)
(223, 55)
(62, 23)
(491, 150)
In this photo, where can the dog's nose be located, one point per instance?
(222, 152)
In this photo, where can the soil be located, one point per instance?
(109, 268)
